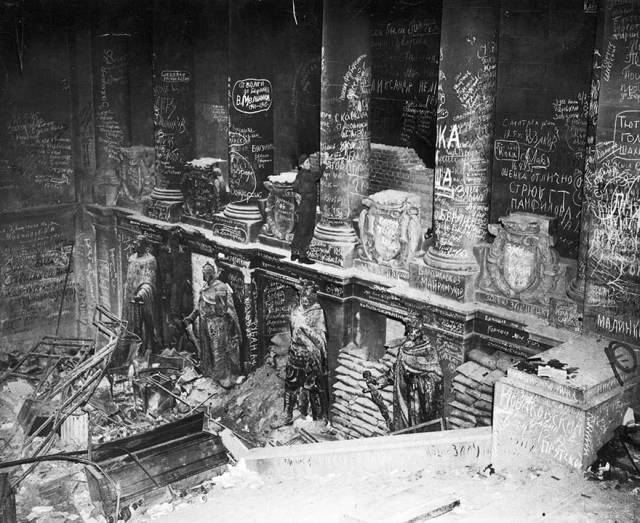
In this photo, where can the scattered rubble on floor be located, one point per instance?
(156, 428)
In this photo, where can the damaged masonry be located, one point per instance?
(348, 260)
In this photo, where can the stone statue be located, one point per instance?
(417, 379)
(390, 229)
(140, 297)
(306, 378)
(217, 336)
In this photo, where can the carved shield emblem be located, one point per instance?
(519, 265)
(386, 230)
(283, 216)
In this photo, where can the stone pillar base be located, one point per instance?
(561, 420)
(238, 222)
(387, 271)
(455, 285)
(575, 289)
(165, 204)
(274, 242)
(334, 245)
(436, 260)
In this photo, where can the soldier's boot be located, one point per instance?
(286, 416)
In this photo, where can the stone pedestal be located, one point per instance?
(280, 212)
(165, 204)
(390, 233)
(564, 421)
(456, 285)
(521, 269)
(334, 244)
(238, 222)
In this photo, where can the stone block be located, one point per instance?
(434, 450)
(455, 285)
(234, 229)
(539, 419)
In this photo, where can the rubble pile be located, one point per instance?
(473, 382)
(353, 414)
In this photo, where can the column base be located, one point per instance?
(238, 222)
(387, 271)
(436, 260)
(455, 285)
(165, 204)
(274, 242)
(575, 289)
(334, 245)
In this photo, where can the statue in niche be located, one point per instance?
(218, 335)
(417, 380)
(521, 263)
(390, 229)
(140, 298)
(306, 381)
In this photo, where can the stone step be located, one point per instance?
(435, 451)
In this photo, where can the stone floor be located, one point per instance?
(529, 495)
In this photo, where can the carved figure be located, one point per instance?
(203, 188)
(217, 336)
(281, 206)
(306, 185)
(306, 378)
(390, 229)
(140, 296)
(521, 262)
(417, 379)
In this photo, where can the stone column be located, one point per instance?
(466, 93)
(250, 118)
(173, 105)
(344, 128)
(576, 287)
(111, 107)
(612, 188)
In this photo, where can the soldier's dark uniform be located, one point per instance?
(306, 185)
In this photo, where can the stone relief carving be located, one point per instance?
(521, 263)
(390, 229)
(280, 207)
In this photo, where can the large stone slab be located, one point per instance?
(433, 450)
(541, 419)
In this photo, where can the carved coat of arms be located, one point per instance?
(521, 263)
(390, 229)
(280, 209)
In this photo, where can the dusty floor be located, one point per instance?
(519, 496)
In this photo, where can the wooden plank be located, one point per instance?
(408, 506)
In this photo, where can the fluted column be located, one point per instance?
(344, 128)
